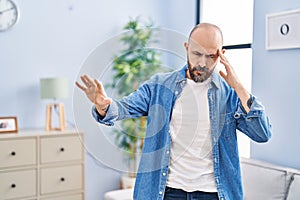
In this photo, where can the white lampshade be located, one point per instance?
(54, 88)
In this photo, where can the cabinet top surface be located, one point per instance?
(39, 132)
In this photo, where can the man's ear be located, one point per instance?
(223, 51)
(186, 46)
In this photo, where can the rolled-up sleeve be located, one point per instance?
(110, 117)
(255, 124)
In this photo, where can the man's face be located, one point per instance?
(201, 63)
(202, 55)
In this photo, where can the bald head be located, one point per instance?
(209, 31)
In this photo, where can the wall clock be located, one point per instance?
(9, 14)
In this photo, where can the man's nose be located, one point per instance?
(202, 61)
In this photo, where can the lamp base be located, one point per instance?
(59, 107)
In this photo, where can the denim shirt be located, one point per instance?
(156, 99)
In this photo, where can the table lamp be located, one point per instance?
(54, 88)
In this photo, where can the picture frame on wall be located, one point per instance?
(8, 125)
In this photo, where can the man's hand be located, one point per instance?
(232, 80)
(95, 92)
(230, 75)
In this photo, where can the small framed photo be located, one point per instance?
(8, 125)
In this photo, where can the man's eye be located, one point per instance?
(212, 56)
(198, 54)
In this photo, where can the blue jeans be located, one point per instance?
(178, 194)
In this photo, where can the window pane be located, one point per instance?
(234, 17)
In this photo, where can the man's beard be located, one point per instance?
(199, 74)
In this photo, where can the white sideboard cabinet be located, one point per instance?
(42, 165)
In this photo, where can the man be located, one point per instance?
(190, 149)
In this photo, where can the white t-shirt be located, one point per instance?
(191, 166)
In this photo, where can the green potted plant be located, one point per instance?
(134, 65)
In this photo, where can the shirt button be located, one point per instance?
(164, 174)
(176, 92)
(160, 192)
(237, 115)
(168, 152)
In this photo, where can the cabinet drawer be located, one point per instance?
(68, 197)
(58, 179)
(17, 184)
(17, 152)
(58, 149)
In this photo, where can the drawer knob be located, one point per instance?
(13, 185)
(13, 153)
(62, 179)
(62, 149)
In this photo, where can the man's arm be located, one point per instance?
(257, 125)
(107, 111)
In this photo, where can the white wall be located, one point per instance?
(53, 38)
